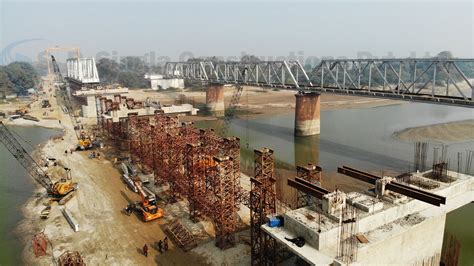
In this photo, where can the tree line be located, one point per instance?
(17, 77)
(129, 72)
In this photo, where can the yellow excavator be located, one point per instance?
(56, 190)
(84, 141)
(147, 208)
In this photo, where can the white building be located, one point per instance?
(158, 82)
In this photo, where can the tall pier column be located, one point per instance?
(215, 99)
(307, 112)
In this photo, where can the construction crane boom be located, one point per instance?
(22, 156)
(57, 71)
(76, 50)
(84, 141)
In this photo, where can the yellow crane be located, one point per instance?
(56, 190)
(147, 208)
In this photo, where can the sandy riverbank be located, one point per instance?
(257, 102)
(46, 123)
(452, 132)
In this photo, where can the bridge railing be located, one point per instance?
(268, 73)
(437, 78)
(434, 80)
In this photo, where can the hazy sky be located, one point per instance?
(322, 28)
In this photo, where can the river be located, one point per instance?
(359, 137)
(15, 188)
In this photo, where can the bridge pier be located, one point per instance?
(215, 99)
(307, 113)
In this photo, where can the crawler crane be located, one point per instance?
(55, 190)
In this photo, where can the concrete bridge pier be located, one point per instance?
(307, 113)
(215, 99)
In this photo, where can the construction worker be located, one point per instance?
(145, 250)
(165, 243)
(160, 246)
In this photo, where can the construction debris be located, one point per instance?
(72, 222)
(45, 212)
(71, 258)
(181, 235)
(40, 244)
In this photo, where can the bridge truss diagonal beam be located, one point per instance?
(428, 80)
(432, 80)
(266, 73)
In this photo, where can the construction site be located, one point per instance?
(136, 182)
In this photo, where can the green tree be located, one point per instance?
(22, 75)
(132, 79)
(6, 86)
(133, 64)
(108, 70)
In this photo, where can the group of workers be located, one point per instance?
(162, 246)
(93, 155)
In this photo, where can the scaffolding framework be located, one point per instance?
(198, 165)
(262, 204)
(312, 174)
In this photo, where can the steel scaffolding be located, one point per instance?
(198, 165)
(262, 204)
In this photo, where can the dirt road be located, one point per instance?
(106, 236)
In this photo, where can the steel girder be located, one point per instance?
(414, 79)
(428, 80)
(267, 73)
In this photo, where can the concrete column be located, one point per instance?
(117, 98)
(215, 99)
(307, 112)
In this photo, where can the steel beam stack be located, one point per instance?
(310, 173)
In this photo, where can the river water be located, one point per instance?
(15, 188)
(362, 138)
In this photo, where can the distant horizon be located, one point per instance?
(175, 31)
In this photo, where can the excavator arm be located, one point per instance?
(22, 156)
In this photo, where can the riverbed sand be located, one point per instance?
(451, 132)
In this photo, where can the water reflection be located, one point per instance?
(307, 150)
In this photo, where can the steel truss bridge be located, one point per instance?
(429, 80)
